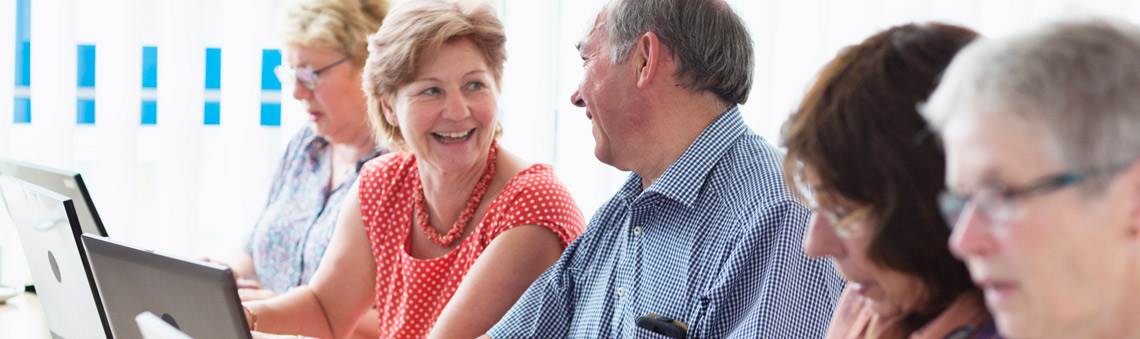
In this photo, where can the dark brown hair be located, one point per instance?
(859, 129)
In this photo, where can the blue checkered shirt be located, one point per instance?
(713, 243)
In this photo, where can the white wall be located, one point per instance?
(186, 188)
(793, 40)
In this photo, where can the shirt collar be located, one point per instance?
(378, 151)
(683, 179)
(316, 145)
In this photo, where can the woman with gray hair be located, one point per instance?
(446, 233)
(1042, 136)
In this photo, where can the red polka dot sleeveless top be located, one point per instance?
(411, 292)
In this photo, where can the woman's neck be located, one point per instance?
(344, 155)
(446, 193)
(351, 148)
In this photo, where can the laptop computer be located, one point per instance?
(49, 231)
(153, 327)
(196, 297)
(67, 183)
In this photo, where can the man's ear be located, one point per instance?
(386, 109)
(647, 53)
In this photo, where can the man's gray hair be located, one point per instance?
(711, 43)
(1079, 81)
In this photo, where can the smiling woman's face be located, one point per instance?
(447, 114)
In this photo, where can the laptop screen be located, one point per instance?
(49, 233)
(195, 297)
(67, 183)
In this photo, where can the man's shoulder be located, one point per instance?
(601, 231)
(750, 172)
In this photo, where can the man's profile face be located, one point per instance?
(606, 92)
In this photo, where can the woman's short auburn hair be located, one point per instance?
(859, 129)
(340, 25)
(413, 33)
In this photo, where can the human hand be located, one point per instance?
(219, 262)
(259, 335)
(251, 294)
(241, 282)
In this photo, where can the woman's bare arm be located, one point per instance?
(501, 274)
(342, 289)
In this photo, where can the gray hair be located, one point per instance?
(710, 42)
(1079, 81)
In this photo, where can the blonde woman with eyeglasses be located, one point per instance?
(325, 47)
(872, 175)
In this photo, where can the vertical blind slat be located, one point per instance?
(7, 73)
(49, 137)
(111, 176)
(181, 86)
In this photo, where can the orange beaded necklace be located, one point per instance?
(445, 240)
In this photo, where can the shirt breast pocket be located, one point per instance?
(700, 312)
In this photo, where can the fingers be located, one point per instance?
(248, 283)
(214, 261)
(260, 335)
(249, 294)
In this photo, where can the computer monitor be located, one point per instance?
(49, 233)
(196, 297)
(67, 183)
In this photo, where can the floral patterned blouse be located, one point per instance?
(293, 231)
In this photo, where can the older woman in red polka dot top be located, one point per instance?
(444, 235)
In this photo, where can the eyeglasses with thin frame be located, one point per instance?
(999, 204)
(843, 221)
(304, 75)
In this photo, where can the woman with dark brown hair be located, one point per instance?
(872, 174)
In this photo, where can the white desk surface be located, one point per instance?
(23, 317)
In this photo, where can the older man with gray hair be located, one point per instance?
(1042, 136)
(704, 239)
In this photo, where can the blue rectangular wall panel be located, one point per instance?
(213, 68)
(23, 64)
(270, 59)
(149, 112)
(23, 38)
(213, 114)
(85, 67)
(270, 114)
(22, 112)
(85, 111)
(23, 20)
(150, 67)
